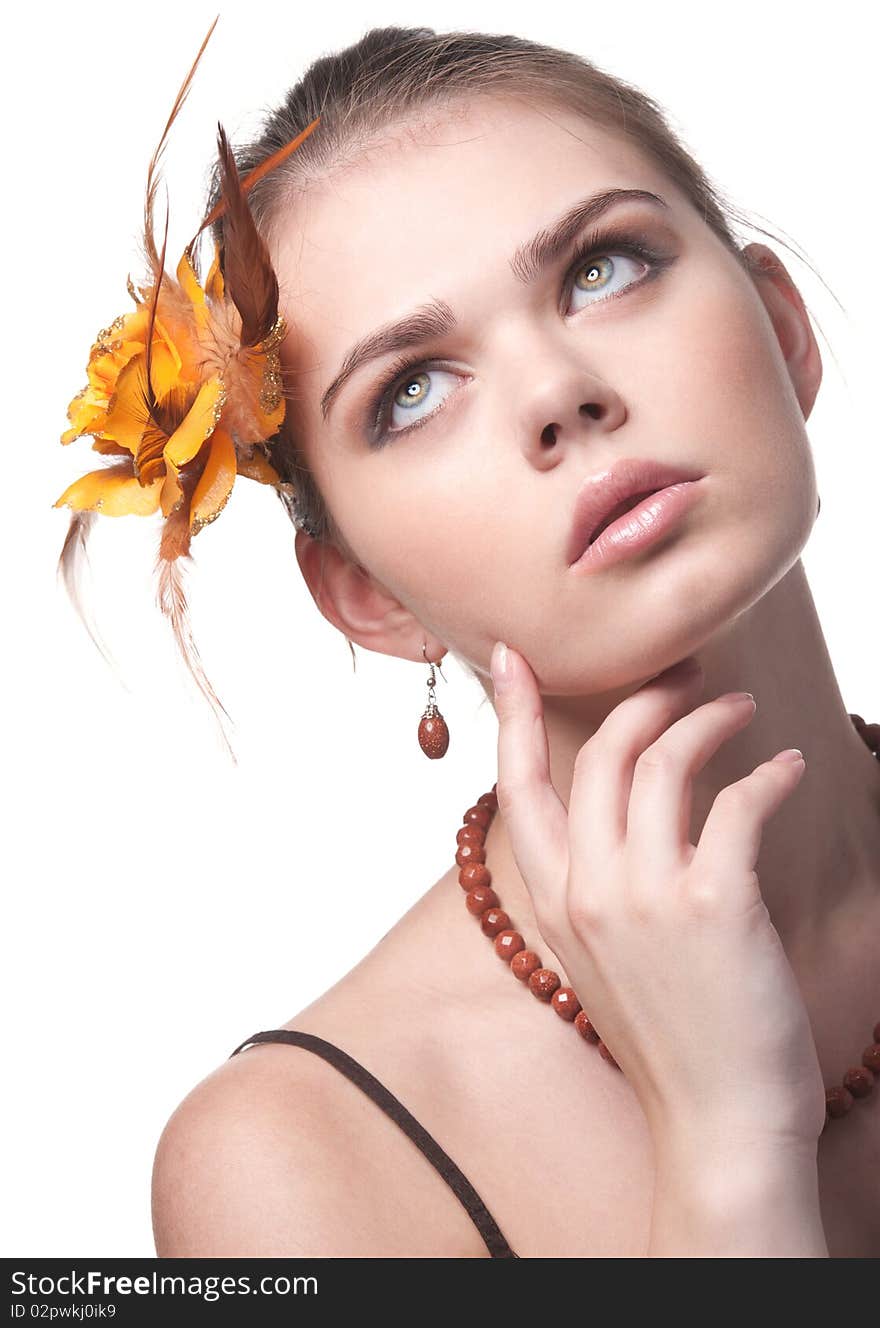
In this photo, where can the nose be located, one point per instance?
(568, 405)
(549, 388)
(594, 409)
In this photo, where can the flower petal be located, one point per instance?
(258, 467)
(189, 284)
(113, 491)
(167, 363)
(199, 424)
(215, 485)
(214, 279)
(85, 414)
(127, 417)
(107, 448)
(172, 489)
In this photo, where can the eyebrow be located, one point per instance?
(436, 318)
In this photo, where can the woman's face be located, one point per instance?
(547, 378)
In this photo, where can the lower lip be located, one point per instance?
(638, 528)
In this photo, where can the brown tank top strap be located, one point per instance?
(393, 1107)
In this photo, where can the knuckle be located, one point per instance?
(549, 921)
(510, 789)
(657, 760)
(505, 794)
(585, 915)
(701, 895)
(586, 757)
(742, 795)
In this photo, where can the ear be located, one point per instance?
(362, 608)
(790, 320)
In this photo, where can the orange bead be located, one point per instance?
(471, 834)
(604, 1052)
(543, 982)
(508, 943)
(524, 964)
(475, 879)
(838, 1101)
(474, 873)
(859, 1080)
(585, 1028)
(470, 853)
(871, 1057)
(566, 1003)
(479, 899)
(479, 815)
(493, 921)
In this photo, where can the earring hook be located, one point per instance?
(433, 666)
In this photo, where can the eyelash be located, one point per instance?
(594, 245)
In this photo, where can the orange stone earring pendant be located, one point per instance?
(433, 733)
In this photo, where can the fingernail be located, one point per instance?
(790, 754)
(499, 666)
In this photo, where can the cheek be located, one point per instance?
(723, 393)
(437, 545)
(419, 541)
(723, 396)
(726, 364)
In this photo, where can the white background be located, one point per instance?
(160, 904)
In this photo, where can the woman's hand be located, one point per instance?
(669, 946)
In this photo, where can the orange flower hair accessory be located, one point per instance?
(184, 392)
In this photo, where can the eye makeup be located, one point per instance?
(601, 242)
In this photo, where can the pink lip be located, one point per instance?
(638, 528)
(602, 493)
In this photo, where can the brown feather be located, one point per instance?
(248, 181)
(73, 557)
(149, 401)
(173, 546)
(247, 269)
(149, 243)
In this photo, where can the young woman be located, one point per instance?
(519, 316)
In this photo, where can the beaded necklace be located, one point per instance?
(481, 900)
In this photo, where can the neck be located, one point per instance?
(819, 862)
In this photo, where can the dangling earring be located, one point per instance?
(433, 733)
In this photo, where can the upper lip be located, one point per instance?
(602, 492)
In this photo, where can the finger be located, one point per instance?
(535, 818)
(731, 838)
(659, 816)
(603, 771)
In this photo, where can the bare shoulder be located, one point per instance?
(276, 1154)
(249, 1165)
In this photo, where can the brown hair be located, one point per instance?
(392, 74)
